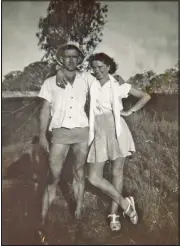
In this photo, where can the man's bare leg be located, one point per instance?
(57, 156)
(80, 151)
(78, 188)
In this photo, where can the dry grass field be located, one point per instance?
(151, 176)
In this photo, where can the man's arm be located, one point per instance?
(119, 79)
(61, 79)
(44, 122)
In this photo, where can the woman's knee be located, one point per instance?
(117, 172)
(118, 166)
(93, 179)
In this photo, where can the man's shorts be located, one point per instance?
(69, 136)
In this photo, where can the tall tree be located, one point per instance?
(81, 21)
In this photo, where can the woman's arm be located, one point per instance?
(143, 99)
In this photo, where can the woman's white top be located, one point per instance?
(104, 96)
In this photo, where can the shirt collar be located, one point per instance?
(106, 85)
(77, 77)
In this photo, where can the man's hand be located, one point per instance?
(126, 113)
(44, 142)
(119, 79)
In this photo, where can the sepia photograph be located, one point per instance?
(89, 130)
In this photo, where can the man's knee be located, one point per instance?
(80, 151)
(58, 153)
(78, 172)
(55, 172)
(56, 164)
(57, 158)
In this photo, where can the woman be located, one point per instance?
(109, 135)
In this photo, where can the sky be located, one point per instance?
(138, 35)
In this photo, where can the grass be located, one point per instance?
(151, 174)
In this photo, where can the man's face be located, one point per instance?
(100, 69)
(70, 59)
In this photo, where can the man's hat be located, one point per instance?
(61, 48)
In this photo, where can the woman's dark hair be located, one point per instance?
(105, 59)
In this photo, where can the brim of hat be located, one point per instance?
(61, 48)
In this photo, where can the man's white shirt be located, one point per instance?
(67, 105)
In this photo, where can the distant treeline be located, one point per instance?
(151, 82)
(32, 77)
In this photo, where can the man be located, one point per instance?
(63, 111)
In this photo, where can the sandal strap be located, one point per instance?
(127, 210)
(133, 215)
(131, 204)
(115, 223)
(112, 216)
(115, 226)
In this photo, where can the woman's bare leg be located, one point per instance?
(117, 180)
(96, 178)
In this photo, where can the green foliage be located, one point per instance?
(81, 21)
(34, 75)
(31, 78)
(76, 20)
(150, 82)
(13, 74)
(153, 175)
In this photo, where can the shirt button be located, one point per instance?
(71, 97)
(71, 107)
(69, 117)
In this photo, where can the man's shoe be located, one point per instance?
(42, 237)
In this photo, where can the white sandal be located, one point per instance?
(132, 214)
(115, 223)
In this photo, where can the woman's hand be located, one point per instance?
(60, 79)
(126, 113)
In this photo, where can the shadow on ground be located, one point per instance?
(23, 186)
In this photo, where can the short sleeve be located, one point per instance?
(124, 90)
(89, 78)
(46, 91)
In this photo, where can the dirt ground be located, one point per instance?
(21, 202)
(24, 182)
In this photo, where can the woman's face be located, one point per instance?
(100, 69)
